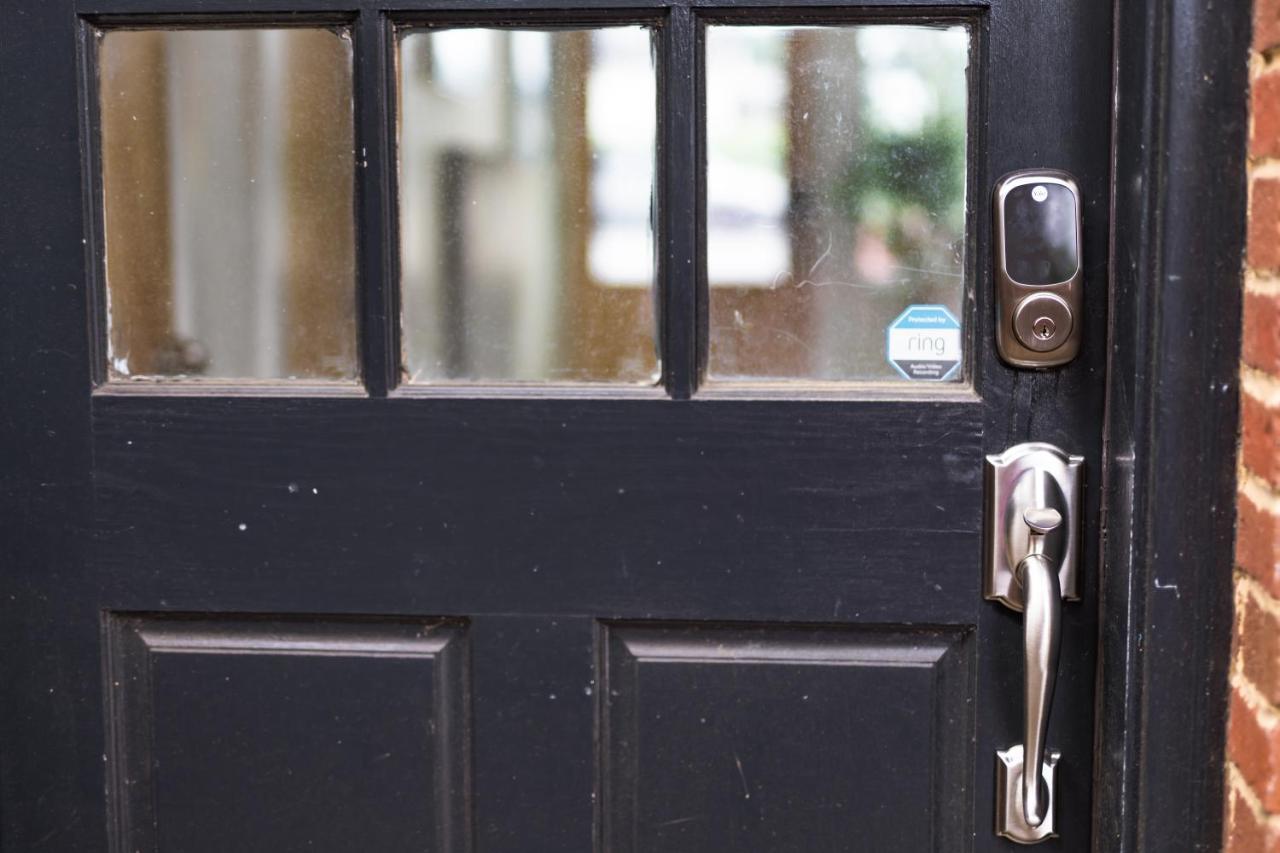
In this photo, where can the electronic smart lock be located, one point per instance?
(1038, 267)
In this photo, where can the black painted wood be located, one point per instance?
(1181, 128)
(557, 535)
(1024, 100)
(50, 656)
(379, 268)
(678, 211)
(633, 508)
(777, 738)
(258, 735)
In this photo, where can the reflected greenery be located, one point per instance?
(897, 179)
(836, 182)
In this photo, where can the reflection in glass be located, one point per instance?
(835, 193)
(526, 176)
(227, 180)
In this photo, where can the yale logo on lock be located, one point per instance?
(1038, 267)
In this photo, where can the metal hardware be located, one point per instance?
(1033, 499)
(1029, 476)
(1042, 633)
(1039, 268)
(1010, 822)
(1042, 322)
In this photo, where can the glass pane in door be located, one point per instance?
(835, 199)
(526, 185)
(228, 203)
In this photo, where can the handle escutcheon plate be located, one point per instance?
(1010, 820)
(1026, 476)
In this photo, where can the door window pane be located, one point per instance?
(835, 194)
(526, 183)
(227, 181)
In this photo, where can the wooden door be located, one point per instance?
(317, 604)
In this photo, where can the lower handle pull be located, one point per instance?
(1026, 786)
(1041, 633)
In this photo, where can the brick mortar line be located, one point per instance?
(1239, 784)
(1235, 666)
(1262, 710)
(1262, 282)
(1260, 385)
(1263, 168)
(1266, 714)
(1259, 492)
(1250, 587)
(1264, 61)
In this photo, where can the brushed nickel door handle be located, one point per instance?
(1033, 493)
(1042, 635)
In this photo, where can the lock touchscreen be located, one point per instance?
(1040, 234)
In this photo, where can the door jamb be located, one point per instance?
(1178, 224)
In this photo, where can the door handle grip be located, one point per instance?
(1042, 633)
(1033, 501)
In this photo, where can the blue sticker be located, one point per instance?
(923, 343)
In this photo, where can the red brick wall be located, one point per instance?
(1253, 739)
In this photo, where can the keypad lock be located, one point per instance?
(1038, 267)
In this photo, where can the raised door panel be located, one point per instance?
(252, 734)
(776, 739)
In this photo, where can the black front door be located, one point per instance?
(529, 426)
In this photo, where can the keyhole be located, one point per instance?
(1044, 328)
